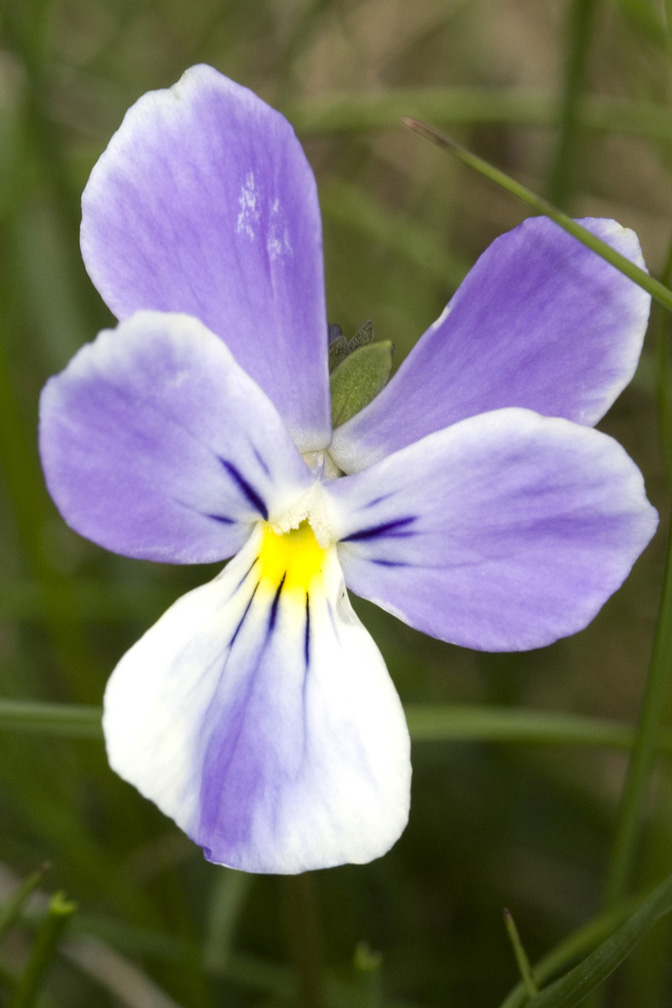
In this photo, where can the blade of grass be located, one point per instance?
(563, 167)
(228, 899)
(571, 989)
(31, 511)
(654, 287)
(427, 723)
(563, 955)
(69, 720)
(472, 723)
(523, 963)
(577, 944)
(116, 974)
(302, 928)
(656, 691)
(471, 106)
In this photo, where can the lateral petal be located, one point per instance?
(259, 715)
(157, 445)
(204, 203)
(540, 322)
(503, 532)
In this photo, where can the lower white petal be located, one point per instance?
(259, 715)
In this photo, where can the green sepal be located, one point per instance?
(358, 379)
(340, 347)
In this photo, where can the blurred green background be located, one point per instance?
(572, 98)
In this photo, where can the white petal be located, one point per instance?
(259, 714)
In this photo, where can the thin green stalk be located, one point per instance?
(519, 952)
(654, 287)
(43, 952)
(31, 511)
(578, 944)
(426, 722)
(27, 26)
(658, 681)
(664, 374)
(572, 988)
(11, 912)
(563, 167)
(304, 939)
(353, 112)
(478, 723)
(368, 969)
(8, 980)
(68, 720)
(230, 892)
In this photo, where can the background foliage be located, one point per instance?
(512, 806)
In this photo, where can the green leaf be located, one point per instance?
(358, 379)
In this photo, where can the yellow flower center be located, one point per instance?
(294, 559)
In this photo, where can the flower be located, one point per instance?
(475, 500)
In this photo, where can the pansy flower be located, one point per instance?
(471, 498)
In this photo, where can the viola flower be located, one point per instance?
(471, 498)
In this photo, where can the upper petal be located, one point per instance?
(204, 203)
(540, 322)
(156, 444)
(258, 713)
(503, 532)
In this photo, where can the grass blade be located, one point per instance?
(654, 287)
(589, 974)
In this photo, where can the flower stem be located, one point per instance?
(304, 939)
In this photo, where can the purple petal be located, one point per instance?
(259, 715)
(156, 444)
(204, 203)
(540, 322)
(503, 532)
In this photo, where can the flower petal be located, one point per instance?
(204, 203)
(157, 445)
(540, 322)
(258, 713)
(503, 532)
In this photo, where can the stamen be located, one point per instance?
(293, 560)
(311, 507)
